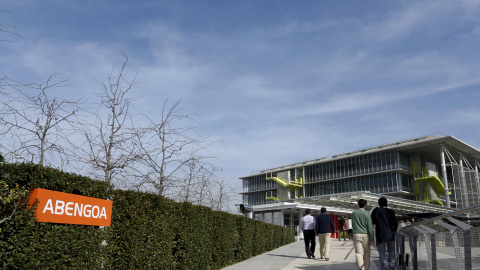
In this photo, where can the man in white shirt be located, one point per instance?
(307, 224)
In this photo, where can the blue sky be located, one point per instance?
(280, 81)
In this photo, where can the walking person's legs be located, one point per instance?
(366, 254)
(327, 246)
(312, 245)
(382, 250)
(358, 245)
(307, 234)
(361, 243)
(321, 239)
(391, 254)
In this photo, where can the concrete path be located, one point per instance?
(342, 257)
(292, 256)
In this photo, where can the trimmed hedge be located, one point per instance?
(147, 232)
(26, 244)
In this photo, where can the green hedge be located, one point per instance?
(147, 232)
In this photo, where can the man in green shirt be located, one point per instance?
(362, 235)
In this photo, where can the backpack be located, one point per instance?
(385, 232)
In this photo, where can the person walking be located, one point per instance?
(349, 228)
(362, 235)
(325, 228)
(386, 226)
(307, 224)
(341, 228)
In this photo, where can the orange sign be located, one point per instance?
(60, 207)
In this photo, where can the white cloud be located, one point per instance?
(403, 22)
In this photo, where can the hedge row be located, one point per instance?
(147, 232)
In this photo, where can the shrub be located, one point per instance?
(147, 231)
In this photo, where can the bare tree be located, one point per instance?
(224, 193)
(172, 151)
(109, 146)
(35, 125)
(197, 176)
(202, 186)
(6, 28)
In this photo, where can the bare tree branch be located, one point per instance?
(108, 143)
(7, 29)
(34, 124)
(171, 150)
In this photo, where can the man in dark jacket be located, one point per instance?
(324, 225)
(386, 225)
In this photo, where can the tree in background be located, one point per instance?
(170, 156)
(201, 185)
(33, 124)
(109, 146)
(172, 152)
(6, 28)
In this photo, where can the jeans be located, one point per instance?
(383, 248)
(309, 238)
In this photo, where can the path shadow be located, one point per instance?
(286, 256)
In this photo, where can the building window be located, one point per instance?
(404, 160)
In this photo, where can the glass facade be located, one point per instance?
(375, 183)
(258, 182)
(341, 168)
(377, 172)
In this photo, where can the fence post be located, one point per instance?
(402, 261)
(432, 251)
(456, 244)
(412, 241)
(467, 243)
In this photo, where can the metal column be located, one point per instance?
(400, 245)
(444, 175)
(465, 202)
(477, 177)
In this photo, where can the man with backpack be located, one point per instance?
(386, 225)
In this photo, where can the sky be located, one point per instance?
(280, 81)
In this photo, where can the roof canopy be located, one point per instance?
(347, 202)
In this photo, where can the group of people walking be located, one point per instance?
(382, 217)
(321, 226)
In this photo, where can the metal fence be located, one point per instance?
(449, 241)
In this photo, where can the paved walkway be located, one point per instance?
(342, 257)
(292, 256)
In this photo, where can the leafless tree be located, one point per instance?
(109, 146)
(6, 28)
(173, 151)
(197, 176)
(35, 125)
(198, 183)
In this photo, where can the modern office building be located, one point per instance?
(432, 174)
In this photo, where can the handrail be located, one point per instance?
(451, 214)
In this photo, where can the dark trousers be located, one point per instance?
(309, 238)
(342, 230)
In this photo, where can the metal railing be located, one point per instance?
(443, 242)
